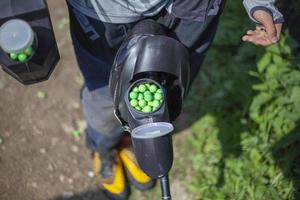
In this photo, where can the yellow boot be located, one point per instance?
(110, 175)
(134, 173)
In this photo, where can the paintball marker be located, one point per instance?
(149, 79)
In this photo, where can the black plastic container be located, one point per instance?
(40, 65)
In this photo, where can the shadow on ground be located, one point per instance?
(88, 195)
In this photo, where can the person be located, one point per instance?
(98, 28)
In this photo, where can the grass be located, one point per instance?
(243, 112)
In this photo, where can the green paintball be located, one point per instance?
(22, 57)
(146, 97)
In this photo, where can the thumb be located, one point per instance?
(266, 20)
(271, 31)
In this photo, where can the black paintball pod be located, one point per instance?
(28, 49)
(149, 79)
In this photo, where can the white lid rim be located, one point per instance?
(18, 48)
(135, 133)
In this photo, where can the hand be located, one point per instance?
(267, 33)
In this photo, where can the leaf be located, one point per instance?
(264, 62)
(260, 87)
(274, 85)
(283, 100)
(255, 156)
(272, 71)
(295, 94)
(278, 124)
(277, 59)
(260, 100)
(254, 74)
(274, 49)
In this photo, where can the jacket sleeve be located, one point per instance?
(266, 5)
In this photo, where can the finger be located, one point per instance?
(278, 29)
(257, 40)
(267, 21)
(254, 32)
(250, 32)
(272, 34)
(271, 31)
(248, 38)
(245, 38)
(260, 31)
(253, 42)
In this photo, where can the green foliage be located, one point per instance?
(276, 108)
(246, 138)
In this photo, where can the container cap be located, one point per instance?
(152, 130)
(16, 36)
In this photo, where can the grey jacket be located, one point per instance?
(267, 5)
(126, 11)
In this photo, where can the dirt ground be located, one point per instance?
(39, 157)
